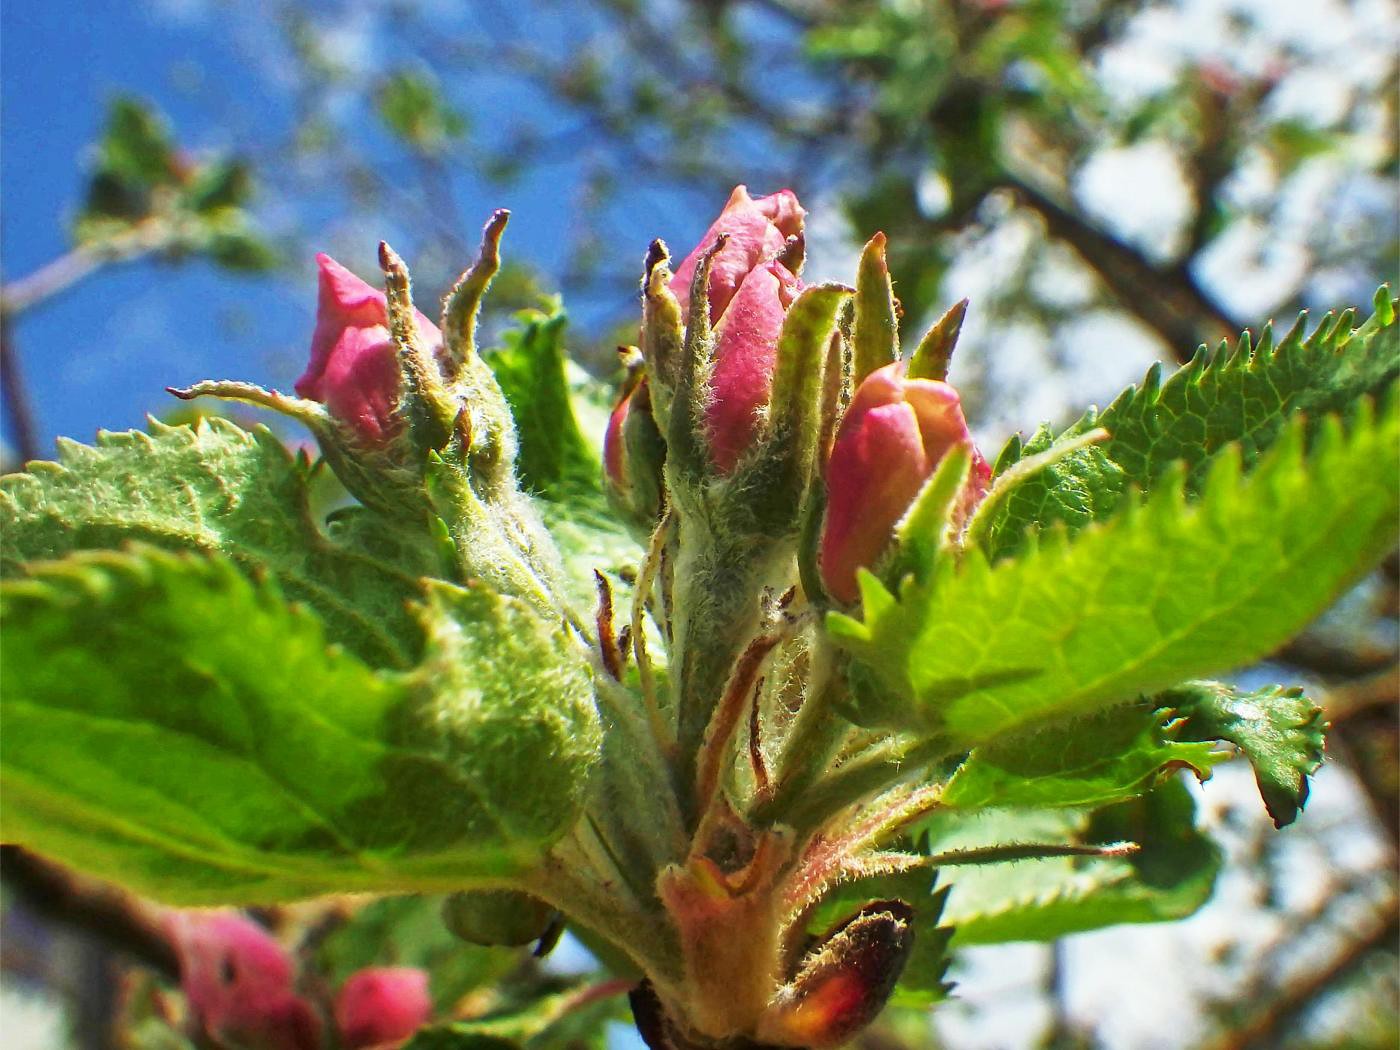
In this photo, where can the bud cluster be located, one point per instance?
(771, 440)
(884, 438)
(768, 445)
(242, 991)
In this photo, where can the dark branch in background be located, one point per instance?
(17, 407)
(108, 915)
(1168, 300)
(1295, 998)
(44, 283)
(1333, 660)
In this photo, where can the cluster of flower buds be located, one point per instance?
(790, 429)
(893, 433)
(241, 988)
(387, 392)
(413, 422)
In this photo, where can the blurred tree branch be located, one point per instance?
(1263, 1027)
(111, 916)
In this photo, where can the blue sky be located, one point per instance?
(101, 354)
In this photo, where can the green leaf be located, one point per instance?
(219, 185)
(174, 726)
(555, 461)
(1166, 590)
(1040, 900)
(241, 251)
(1243, 397)
(413, 107)
(460, 1037)
(213, 488)
(136, 145)
(1100, 758)
(521, 1024)
(1279, 730)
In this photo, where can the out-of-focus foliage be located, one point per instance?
(146, 193)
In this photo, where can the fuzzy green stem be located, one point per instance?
(860, 778)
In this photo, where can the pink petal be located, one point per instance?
(746, 353)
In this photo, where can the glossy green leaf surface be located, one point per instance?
(1100, 758)
(173, 726)
(1168, 589)
(1242, 396)
(1279, 730)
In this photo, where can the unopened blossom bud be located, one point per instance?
(750, 289)
(239, 983)
(382, 1006)
(845, 980)
(354, 369)
(757, 230)
(891, 439)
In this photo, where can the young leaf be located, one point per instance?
(1100, 758)
(1039, 900)
(176, 727)
(212, 488)
(575, 1012)
(1220, 398)
(555, 460)
(1166, 590)
(1279, 730)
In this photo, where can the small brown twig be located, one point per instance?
(1296, 997)
(18, 407)
(607, 637)
(109, 915)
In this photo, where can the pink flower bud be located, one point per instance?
(382, 1005)
(239, 983)
(354, 369)
(746, 354)
(750, 291)
(758, 230)
(894, 434)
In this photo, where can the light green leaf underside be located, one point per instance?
(1242, 395)
(1100, 758)
(1279, 730)
(554, 459)
(172, 726)
(557, 461)
(1041, 900)
(216, 488)
(1165, 591)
